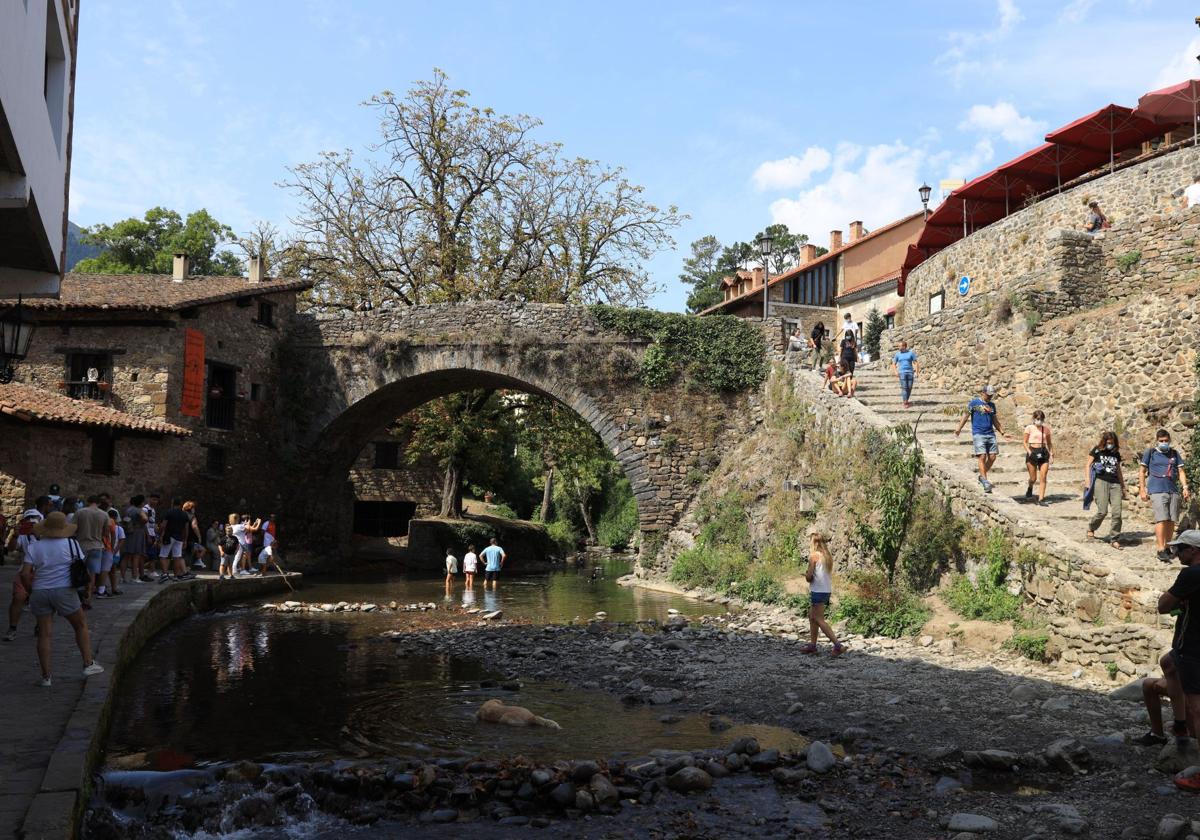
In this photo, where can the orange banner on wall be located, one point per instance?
(192, 402)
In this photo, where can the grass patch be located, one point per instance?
(1030, 644)
(1128, 260)
(874, 607)
(987, 598)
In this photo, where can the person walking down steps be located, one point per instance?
(1105, 481)
(985, 425)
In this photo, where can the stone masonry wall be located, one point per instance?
(1098, 332)
(359, 373)
(146, 381)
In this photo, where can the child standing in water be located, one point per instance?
(470, 565)
(820, 581)
(451, 568)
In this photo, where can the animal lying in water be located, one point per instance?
(494, 711)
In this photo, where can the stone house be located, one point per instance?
(194, 359)
(853, 276)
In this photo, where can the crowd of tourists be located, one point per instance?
(73, 550)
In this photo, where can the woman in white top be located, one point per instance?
(470, 565)
(46, 573)
(820, 580)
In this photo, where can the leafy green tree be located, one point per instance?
(701, 272)
(900, 463)
(873, 334)
(785, 246)
(735, 257)
(148, 245)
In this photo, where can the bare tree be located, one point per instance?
(459, 203)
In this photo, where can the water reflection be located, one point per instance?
(260, 685)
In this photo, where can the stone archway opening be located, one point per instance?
(334, 510)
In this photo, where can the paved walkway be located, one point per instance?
(33, 720)
(46, 734)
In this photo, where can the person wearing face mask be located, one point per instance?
(1107, 483)
(1161, 474)
(1037, 455)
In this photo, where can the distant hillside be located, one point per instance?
(77, 249)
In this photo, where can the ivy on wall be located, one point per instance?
(718, 352)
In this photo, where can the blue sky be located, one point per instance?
(814, 114)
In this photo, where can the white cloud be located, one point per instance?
(1181, 67)
(1004, 119)
(791, 172)
(966, 55)
(1076, 11)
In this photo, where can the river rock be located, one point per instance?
(1067, 755)
(584, 801)
(1170, 827)
(1024, 693)
(1171, 759)
(820, 758)
(675, 623)
(619, 647)
(972, 823)
(1130, 691)
(764, 761)
(563, 795)
(492, 616)
(745, 745)
(991, 759)
(1061, 703)
(1065, 818)
(603, 791)
(444, 815)
(689, 779)
(583, 771)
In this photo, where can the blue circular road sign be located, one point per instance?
(964, 285)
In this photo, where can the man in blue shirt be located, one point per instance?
(905, 362)
(985, 425)
(1161, 475)
(493, 557)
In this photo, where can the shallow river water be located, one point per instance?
(251, 684)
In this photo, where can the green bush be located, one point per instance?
(503, 511)
(982, 600)
(760, 586)
(1030, 644)
(878, 608)
(619, 522)
(564, 536)
(719, 352)
(933, 544)
(1128, 260)
(710, 567)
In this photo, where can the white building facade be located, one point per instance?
(38, 49)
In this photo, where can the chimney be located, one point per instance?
(835, 240)
(758, 278)
(856, 231)
(808, 253)
(180, 267)
(256, 270)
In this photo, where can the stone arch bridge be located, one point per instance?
(345, 377)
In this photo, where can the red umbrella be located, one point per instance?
(1111, 129)
(1172, 105)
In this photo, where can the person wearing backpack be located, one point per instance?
(53, 568)
(1161, 475)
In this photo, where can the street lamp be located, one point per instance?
(764, 241)
(16, 331)
(925, 190)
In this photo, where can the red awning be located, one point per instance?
(1052, 164)
(1174, 105)
(1111, 129)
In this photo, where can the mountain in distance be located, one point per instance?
(77, 249)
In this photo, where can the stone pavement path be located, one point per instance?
(1063, 521)
(33, 720)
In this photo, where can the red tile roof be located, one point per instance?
(155, 292)
(37, 405)
(887, 277)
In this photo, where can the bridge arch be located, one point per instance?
(351, 376)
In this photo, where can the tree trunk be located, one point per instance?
(547, 492)
(585, 510)
(452, 491)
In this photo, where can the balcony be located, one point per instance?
(219, 412)
(87, 389)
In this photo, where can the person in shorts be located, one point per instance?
(1154, 689)
(172, 536)
(985, 425)
(46, 570)
(137, 540)
(1038, 450)
(451, 568)
(470, 566)
(91, 523)
(117, 537)
(1185, 646)
(820, 581)
(493, 559)
(1163, 482)
(23, 535)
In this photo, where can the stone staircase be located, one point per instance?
(1105, 598)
